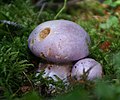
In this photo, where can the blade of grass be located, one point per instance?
(65, 2)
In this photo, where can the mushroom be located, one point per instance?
(56, 71)
(86, 68)
(59, 41)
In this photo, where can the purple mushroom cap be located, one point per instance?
(59, 41)
(89, 67)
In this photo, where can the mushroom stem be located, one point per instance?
(55, 71)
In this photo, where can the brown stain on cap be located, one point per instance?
(44, 33)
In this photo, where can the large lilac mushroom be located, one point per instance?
(59, 41)
(88, 68)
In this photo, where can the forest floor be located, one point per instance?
(18, 65)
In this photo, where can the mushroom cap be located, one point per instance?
(62, 71)
(89, 66)
(59, 41)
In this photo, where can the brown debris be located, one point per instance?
(25, 89)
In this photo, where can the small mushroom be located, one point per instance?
(59, 41)
(56, 71)
(87, 68)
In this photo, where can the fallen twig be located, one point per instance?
(56, 4)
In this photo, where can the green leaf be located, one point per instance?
(108, 2)
(117, 3)
(111, 3)
(111, 22)
(103, 25)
